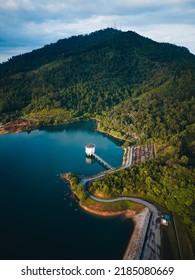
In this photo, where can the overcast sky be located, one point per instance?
(29, 24)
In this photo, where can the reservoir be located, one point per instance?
(39, 218)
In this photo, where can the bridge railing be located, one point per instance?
(102, 161)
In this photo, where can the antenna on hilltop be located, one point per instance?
(115, 23)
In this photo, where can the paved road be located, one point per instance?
(151, 248)
(129, 162)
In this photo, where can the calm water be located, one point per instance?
(38, 217)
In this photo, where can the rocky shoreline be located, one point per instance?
(135, 246)
(17, 127)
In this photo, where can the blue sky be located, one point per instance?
(30, 24)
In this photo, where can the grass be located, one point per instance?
(169, 247)
(187, 245)
(113, 206)
(55, 115)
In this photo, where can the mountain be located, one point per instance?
(133, 85)
(136, 88)
(89, 73)
(49, 53)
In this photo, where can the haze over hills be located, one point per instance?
(133, 85)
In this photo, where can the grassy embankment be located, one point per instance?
(101, 208)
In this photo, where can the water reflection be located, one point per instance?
(89, 160)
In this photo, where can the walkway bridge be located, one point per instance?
(103, 162)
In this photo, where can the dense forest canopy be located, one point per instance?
(92, 73)
(136, 88)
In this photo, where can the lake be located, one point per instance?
(39, 218)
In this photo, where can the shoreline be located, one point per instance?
(111, 134)
(135, 244)
(128, 213)
(134, 247)
(18, 126)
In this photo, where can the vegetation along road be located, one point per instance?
(152, 244)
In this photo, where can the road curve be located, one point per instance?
(151, 248)
(131, 198)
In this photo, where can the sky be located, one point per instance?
(30, 24)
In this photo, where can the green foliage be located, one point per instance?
(77, 188)
(91, 74)
(164, 114)
(50, 116)
(173, 186)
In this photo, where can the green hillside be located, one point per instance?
(136, 88)
(89, 74)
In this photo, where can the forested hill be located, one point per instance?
(132, 84)
(87, 74)
(108, 37)
(63, 47)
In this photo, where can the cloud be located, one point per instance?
(17, 4)
(8, 5)
(28, 24)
